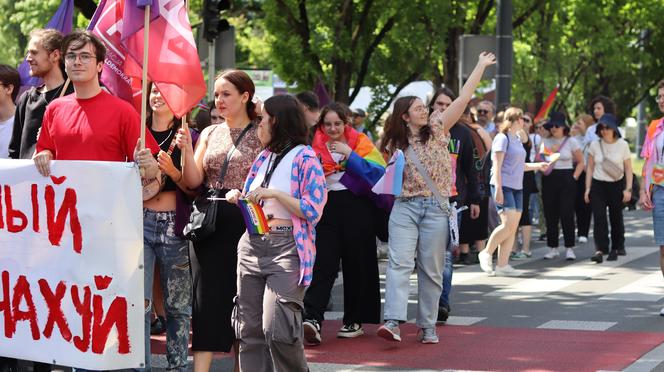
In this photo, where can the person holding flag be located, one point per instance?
(69, 132)
(163, 221)
(214, 258)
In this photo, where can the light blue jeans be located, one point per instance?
(419, 229)
(171, 252)
(658, 213)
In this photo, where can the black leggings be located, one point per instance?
(346, 233)
(602, 195)
(558, 194)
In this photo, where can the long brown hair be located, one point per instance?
(397, 130)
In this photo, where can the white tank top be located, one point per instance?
(281, 180)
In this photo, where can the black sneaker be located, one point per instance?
(622, 252)
(443, 313)
(311, 332)
(158, 326)
(613, 255)
(350, 331)
(597, 257)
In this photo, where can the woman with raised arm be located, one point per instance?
(419, 225)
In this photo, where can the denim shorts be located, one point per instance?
(512, 199)
(658, 213)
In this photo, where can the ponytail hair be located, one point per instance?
(511, 115)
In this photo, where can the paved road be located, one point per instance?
(559, 316)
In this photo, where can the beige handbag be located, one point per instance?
(609, 167)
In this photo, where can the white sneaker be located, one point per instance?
(486, 262)
(583, 239)
(553, 253)
(507, 270)
(569, 254)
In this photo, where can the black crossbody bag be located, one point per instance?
(203, 218)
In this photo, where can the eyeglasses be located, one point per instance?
(659, 98)
(527, 119)
(421, 109)
(602, 127)
(84, 57)
(482, 112)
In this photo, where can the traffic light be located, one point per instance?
(213, 24)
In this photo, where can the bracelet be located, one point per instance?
(630, 190)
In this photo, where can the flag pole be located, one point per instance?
(185, 121)
(144, 88)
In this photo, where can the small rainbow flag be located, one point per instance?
(546, 107)
(392, 181)
(254, 218)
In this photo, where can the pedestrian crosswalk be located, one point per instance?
(477, 298)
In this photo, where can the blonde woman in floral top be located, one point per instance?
(418, 224)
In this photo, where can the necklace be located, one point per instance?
(167, 137)
(56, 94)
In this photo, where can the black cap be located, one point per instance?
(556, 119)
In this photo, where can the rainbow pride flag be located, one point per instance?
(392, 181)
(546, 107)
(254, 218)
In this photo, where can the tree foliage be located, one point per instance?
(610, 47)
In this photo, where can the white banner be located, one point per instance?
(71, 264)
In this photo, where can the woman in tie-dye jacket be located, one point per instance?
(274, 268)
(652, 192)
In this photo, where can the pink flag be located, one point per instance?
(107, 25)
(392, 181)
(173, 64)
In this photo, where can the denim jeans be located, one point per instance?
(419, 230)
(171, 252)
(658, 213)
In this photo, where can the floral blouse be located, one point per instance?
(435, 157)
(219, 143)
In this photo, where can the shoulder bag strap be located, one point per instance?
(224, 167)
(410, 153)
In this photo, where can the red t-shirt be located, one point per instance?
(101, 128)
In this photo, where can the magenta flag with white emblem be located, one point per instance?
(173, 64)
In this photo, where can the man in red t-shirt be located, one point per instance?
(91, 124)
